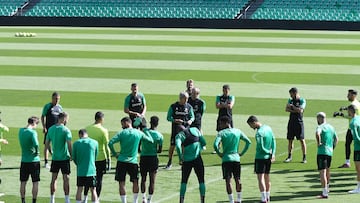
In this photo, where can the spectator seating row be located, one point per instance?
(7, 7)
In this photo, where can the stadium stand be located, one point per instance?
(323, 10)
(8, 8)
(213, 9)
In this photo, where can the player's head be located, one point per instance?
(63, 118)
(226, 89)
(154, 122)
(321, 118)
(351, 95)
(351, 111)
(293, 92)
(183, 97)
(99, 117)
(253, 122)
(126, 122)
(33, 121)
(195, 93)
(189, 84)
(134, 88)
(55, 98)
(82, 133)
(224, 122)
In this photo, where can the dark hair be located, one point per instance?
(126, 119)
(225, 119)
(351, 108)
(133, 84)
(154, 121)
(82, 132)
(353, 92)
(99, 115)
(293, 90)
(33, 120)
(62, 115)
(252, 119)
(226, 86)
(55, 94)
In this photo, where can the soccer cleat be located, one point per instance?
(355, 191)
(344, 166)
(304, 161)
(168, 167)
(287, 160)
(322, 196)
(47, 166)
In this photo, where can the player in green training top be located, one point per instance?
(265, 155)
(84, 153)
(189, 143)
(355, 131)
(49, 117)
(326, 139)
(59, 136)
(135, 106)
(30, 158)
(149, 162)
(230, 140)
(3, 129)
(129, 139)
(97, 132)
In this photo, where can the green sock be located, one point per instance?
(182, 189)
(202, 189)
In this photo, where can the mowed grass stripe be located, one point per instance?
(156, 102)
(10, 61)
(179, 50)
(187, 57)
(313, 46)
(190, 32)
(197, 75)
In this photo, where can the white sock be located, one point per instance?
(67, 199)
(325, 191)
(52, 198)
(263, 196)
(347, 161)
(85, 199)
(143, 195)
(238, 196)
(267, 195)
(149, 198)
(136, 197)
(358, 185)
(123, 198)
(231, 198)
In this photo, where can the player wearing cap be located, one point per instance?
(199, 107)
(265, 154)
(225, 103)
(351, 96)
(296, 106)
(355, 131)
(326, 139)
(149, 161)
(180, 113)
(135, 105)
(230, 139)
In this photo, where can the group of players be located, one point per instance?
(92, 152)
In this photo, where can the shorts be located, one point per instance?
(86, 181)
(30, 168)
(356, 155)
(230, 169)
(123, 168)
(295, 129)
(100, 167)
(198, 166)
(262, 166)
(63, 165)
(323, 161)
(148, 164)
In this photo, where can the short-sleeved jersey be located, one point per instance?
(265, 143)
(84, 152)
(148, 148)
(135, 103)
(199, 107)
(101, 135)
(58, 135)
(189, 144)
(355, 131)
(222, 99)
(327, 139)
(29, 144)
(299, 103)
(129, 139)
(51, 113)
(3, 129)
(230, 141)
(355, 103)
(178, 111)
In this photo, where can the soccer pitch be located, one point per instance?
(93, 68)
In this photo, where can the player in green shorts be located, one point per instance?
(355, 131)
(3, 129)
(84, 153)
(265, 155)
(189, 143)
(149, 162)
(59, 136)
(326, 139)
(127, 162)
(230, 139)
(30, 158)
(97, 132)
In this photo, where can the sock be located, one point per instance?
(304, 156)
(67, 199)
(324, 192)
(85, 198)
(202, 189)
(289, 155)
(34, 201)
(169, 162)
(267, 195)
(136, 195)
(52, 198)
(46, 161)
(149, 198)
(347, 161)
(263, 196)
(358, 185)
(22, 200)
(143, 196)
(238, 196)
(182, 189)
(78, 201)
(123, 198)
(231, 198)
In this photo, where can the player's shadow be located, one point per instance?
(297, 195)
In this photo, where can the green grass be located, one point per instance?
(93, 79)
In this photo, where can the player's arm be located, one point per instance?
(232, 102)
(263, 148)
(336, 140)
(35, 144)
(178, 141)
(144, 103)
(217, 146)
(203, 109)
(47, 145)
(147, 137)
(112, 141)
(191, 115)
(318, 137)
(218, 103)
(247, 144)
(273, 148)
(73, 152)
(356, 133)
(160, 143)
(69, 148)
(169, 116)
